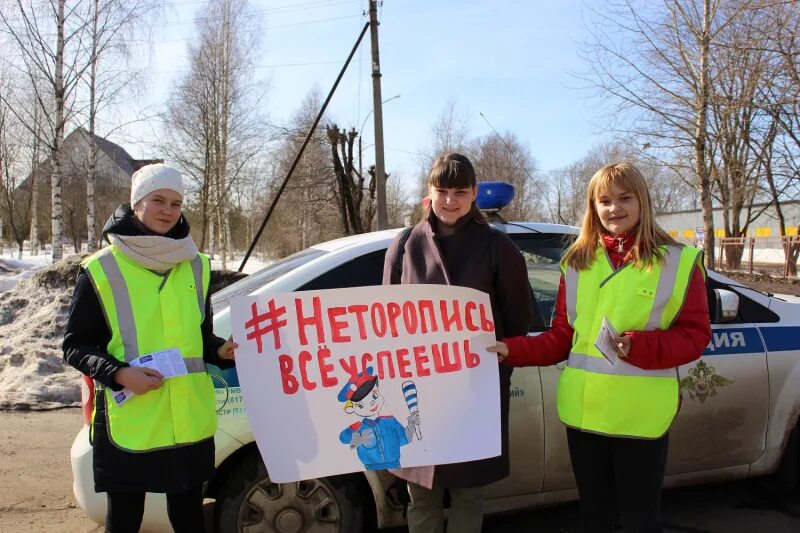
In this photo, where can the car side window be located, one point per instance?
(542, 253)
(358, 272)
(750, 311)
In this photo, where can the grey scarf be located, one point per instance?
(155, 252)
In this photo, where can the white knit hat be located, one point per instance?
(152, 178)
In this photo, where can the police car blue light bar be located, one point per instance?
(494, 195)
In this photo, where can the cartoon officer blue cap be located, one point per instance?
(358, 386)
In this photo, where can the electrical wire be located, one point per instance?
(266, 11)
(522, 166)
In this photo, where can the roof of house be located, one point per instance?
(115, 152)
(119, 155)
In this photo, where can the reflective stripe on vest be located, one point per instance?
(621, 399)
(148, 312)
(122, 304)
(620, 368)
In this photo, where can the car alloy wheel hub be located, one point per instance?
(290, 508)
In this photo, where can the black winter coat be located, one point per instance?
(464, 259)
(87, 335)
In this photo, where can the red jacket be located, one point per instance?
(680, 344)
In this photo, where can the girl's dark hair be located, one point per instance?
(455, 171)
(452, 171)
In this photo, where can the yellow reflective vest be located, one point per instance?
(620, 399)
(148, 312)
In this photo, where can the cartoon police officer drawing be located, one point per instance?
(377, 439)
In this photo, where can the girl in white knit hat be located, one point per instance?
(141, 299)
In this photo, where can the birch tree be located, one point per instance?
(652, 60)
(113, 24)
(50, 38)
(214, 129)
(13, 207)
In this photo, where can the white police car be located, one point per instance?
(741, 404)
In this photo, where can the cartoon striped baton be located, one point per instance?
(410, 394)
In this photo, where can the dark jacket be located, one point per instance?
(464, 259)
(85, 341)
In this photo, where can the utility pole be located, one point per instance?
(380, 171)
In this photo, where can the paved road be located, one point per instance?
(737, 507)
(726, 508)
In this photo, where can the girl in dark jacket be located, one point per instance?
(453, 246)
(149, 241)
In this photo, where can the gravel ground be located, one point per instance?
(35, 473)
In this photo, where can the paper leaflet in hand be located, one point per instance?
(606, 341)
(168, 363)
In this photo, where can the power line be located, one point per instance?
(522, 166)
(259, 29)
(266, 11)
(253, 67)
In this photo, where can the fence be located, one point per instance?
(776, 254)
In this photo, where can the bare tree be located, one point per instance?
(354, 192)
(653, 59)
(311, 187)
(449, 133)
(778, 33)
(36, 137)
(113, 24)
(13, 208)
(507, 159)
(213, 126)
(668, 190)
(56, 69)
(733, 125)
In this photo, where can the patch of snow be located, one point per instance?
(14, 270)
(253, 264)
(33, 315)
(34, 304)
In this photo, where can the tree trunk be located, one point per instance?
(212, 235)
(91, 239)
(700, 137)
(223, 242)
(34, 232)
(55, 180)
(789, 250)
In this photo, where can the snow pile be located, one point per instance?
(13, 271)
(33, 316)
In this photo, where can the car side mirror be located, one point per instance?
(726, 306)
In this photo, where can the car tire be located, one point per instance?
(248, 501)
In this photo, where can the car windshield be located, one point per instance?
(222, 299)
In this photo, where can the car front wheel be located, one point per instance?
(249, 502)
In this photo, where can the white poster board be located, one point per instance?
(367, 378)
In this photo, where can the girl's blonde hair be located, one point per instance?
(649, 236)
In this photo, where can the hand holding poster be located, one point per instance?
(333, 380)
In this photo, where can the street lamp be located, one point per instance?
(360, 131)
(364, 123)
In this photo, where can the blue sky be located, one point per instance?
(511, 60)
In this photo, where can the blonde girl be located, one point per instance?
(631, 307)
